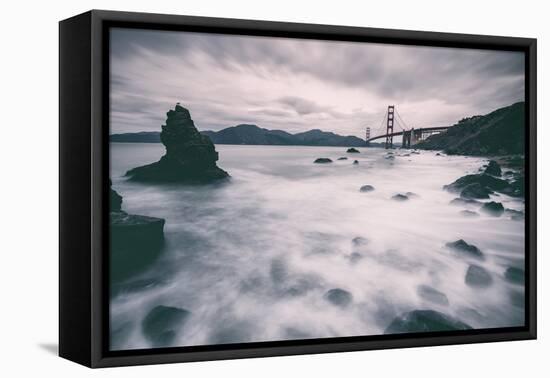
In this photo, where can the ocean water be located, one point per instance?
(253, 259)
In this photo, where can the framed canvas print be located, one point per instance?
(233, 188)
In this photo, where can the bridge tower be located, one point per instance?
(389, 127)
(367, 133)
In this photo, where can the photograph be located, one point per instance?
(267, 188)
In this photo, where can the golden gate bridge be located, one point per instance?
(410, 135)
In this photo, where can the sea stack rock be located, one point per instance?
(190, 156)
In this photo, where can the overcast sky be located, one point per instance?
(297, 85)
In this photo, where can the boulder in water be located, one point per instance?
(492, 208)
(493, 169)
(425, 321)
(355, 162)
(475, 190)
(322, 161)
(359, 241)
(430, 294)
(400, 197)
(342, 158)
(487, 181)
(339, 297)
(515, 275)
(464, 248)
(136, 240)
(477, 276)
(162, 323)
(352, 150)
(366, 188)
(469, 213)
(190, 156)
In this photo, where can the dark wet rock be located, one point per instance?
(430, 294)
(115, 198)
(136, 241)
(477, 276)
(464, 202)
(355, 162)
(492, 208)
(342, 158)
(359, 241)
(322, 160)
(162, 324)
(400, 197)
(354, 257)
(190, 156)
(475, 190)
(352, 150)
(339, 297)
(516, 188)
(487, 181)
(425, 321)
(462, 247)
(366, 188)
(515, 275)
(438, 154)
(493, 169)
(390, 157)
(469, 213)
(517, 298)
(412, 195)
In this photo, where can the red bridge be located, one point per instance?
(411, 136)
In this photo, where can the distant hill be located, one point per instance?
(501, 132)
(141, 137)
(254, 135)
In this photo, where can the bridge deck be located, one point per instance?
(423, 129)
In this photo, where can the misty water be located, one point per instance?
(253, 259)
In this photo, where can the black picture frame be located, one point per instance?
(84, 189)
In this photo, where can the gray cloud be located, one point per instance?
(297, 85)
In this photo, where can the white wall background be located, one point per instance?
(28, 158)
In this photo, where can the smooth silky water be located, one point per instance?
(252, 259)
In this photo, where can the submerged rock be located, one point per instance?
(430, 294)
(400, 197)
(425, 321)
(477, 276)
(475, 190)
(493, 169)
(342, 158)
(492, 208)
(469, 213)
(515, 275)
(464, 248)
(339, 297)
(352, 150)
(190, 156)
(366, 188)
(464, 201)
(322, 160)
(162, 323)
(359, 241)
